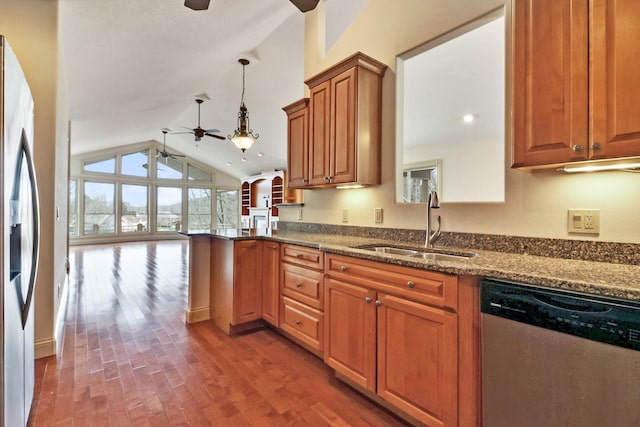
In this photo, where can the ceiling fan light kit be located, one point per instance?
(243, 137)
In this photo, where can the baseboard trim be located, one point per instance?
(198, 315)
(45, 348)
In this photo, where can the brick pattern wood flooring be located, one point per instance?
(129, 359)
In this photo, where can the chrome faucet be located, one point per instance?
(432, 235)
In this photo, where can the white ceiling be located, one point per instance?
(135, 67)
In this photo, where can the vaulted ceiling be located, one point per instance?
(135, 67)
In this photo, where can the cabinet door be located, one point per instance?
(342, 148)
(319, 128)
(247, 281)
(298, 146)
(550, 81)
(615, 87)
(418, 360)
(350, 342)
(270, 282)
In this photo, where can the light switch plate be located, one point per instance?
(583, 221)
(345, 216)
(377, 215)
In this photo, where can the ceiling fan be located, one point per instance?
(164, 154)
(303, 5)
(198, 132)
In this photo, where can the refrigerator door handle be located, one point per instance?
(26, 152)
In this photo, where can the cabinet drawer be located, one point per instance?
(303, 285)
(300, 255)
(429, 287)
(302, 322)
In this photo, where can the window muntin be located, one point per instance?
(134, 208)
(135, 164)
(99, 208)
(169, 213)
(101, 166)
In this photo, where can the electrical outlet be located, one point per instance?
(299, 214)
(584, 221)
(345, 216)
(377, 215)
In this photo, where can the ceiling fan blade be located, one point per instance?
(197, 4)
(215, 136)
(180, 133)
(212, 130)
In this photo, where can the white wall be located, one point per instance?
(536, 204)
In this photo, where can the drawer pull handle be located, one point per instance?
(378, 303)
(343, 268)
(368, 300)
(299, 256)
(298, 322)
(410, 284)
(298, 285)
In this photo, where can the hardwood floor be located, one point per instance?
(129, 359)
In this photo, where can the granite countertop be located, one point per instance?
(599, 278)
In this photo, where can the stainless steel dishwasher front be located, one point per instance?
(558, 359)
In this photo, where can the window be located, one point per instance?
(73, 207)
(101, 166)
(99, 208)
(168, 168)
(139, 194)
(169, 215)
(199, 208)
(227, 208)
(135, 164)
(135, 208)
(197, 174)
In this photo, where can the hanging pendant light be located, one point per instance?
(243, 137)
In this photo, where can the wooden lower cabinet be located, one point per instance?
(271, 282)
(402, 352)
(418, 360)
(236, 281)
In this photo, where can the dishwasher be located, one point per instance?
(558, 359)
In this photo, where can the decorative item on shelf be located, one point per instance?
(243, 137)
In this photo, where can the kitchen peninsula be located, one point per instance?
(435, 295)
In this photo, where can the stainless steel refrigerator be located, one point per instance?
(19, 231)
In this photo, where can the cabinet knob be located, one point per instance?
(577, 148)
(595, 146)
(298, 285)
(298, 322)
(368, 300)
(378, 303)
(410, 284)
(299, 256)
(343, 268)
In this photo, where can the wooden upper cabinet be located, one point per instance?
(615, 86)
(574, 85)
(345, 109)
(298, 143)
(550, 81)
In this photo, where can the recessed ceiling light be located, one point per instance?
(244, 159)
(260, 154)
(229, 163)
(468, 118)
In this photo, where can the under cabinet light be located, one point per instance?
(349, 186)
(596, 167)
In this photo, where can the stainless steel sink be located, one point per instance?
(417, 253)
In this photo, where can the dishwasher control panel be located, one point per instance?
(597, 318)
